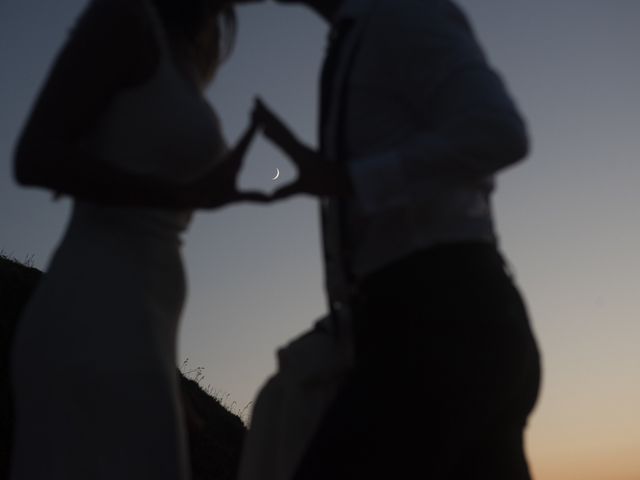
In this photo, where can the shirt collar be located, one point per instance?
(352, 10)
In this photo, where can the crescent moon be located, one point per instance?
(277, 174)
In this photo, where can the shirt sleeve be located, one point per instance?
(467, 125)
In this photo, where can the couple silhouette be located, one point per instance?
(414, 126)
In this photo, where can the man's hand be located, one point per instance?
(316, 176)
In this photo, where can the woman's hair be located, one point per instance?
(188, 20)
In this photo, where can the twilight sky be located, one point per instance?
(568, 217)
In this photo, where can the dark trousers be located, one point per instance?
(447, 373)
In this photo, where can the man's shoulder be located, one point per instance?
(425, 27)
(407, 9)
(418, 16)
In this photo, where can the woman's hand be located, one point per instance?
(218, 188)
(316, 175)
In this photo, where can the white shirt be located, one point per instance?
(427, 125)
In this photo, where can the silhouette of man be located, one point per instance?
(414, 126)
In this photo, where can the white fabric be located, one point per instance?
(291, 404)
(94, 355)
(93, 360)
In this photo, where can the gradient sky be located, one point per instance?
(568, 217)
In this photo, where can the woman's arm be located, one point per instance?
(112, 47)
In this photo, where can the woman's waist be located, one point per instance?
(129, 246)
(137, 221)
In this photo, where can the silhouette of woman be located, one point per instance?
(122, 126)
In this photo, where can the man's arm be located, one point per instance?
(470, 139)
(468, 127)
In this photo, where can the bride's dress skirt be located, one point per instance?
(94, 357)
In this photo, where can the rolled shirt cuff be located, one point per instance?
(378, 182)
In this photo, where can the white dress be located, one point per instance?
(94, 357)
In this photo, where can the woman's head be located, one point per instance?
(201, 30)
